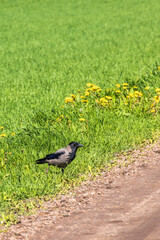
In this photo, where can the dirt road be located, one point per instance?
(123, 204)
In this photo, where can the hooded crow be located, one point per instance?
(62, 157)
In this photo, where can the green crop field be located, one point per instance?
(107, 55)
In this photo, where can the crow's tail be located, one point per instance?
(41, 161)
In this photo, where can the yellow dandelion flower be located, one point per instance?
(118, 85)
(152, 104)
(127, 96)
(124, 88)
(125, 84)
(1, 128)
(90, 85)
(73, 96)
(99, 90)
(62, 106)
(158, 67)
(153, 110)
(135, 87)
(102, 99)
(68, 99)
(3, 135)
(109, 97)
(82, 119)
(85, 101)
(138, 94)
(87, 93)
(89, 89)
(157, 89)
(147, 88)
(9, 153)
(103, 104)
(97, 101)
(13, 134)
(156, 98)
(131, 95)
(126, 103)
(94, 88)
(82, 97)
(118, 91)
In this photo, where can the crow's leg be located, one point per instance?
(47, 169)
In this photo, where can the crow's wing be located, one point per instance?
(56, 155)
(60, 158)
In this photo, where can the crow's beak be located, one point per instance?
(80, 145)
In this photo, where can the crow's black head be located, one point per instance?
(75, 145)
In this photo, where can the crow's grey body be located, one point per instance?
(62, 157)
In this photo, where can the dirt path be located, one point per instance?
(123, 204)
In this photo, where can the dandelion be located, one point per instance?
(109, 97)
(138, 94)
(99, 90)
(102, 99)
(73, 96)
(9, 153)
(90, 85)
(156, 98)
(62, 106)
(87, 93)
(82, 119)
(1, 128)
(82, 97)
(135, 87)
(13, 134)
(153, 110)
(147, 88)
(97, 101)
(103, 104)
(157, 89)
(131, 95)
(125, 84)
(124, 88)
(3, 135)
(94, 88)
(68, 100)
(118, 91)
(158, 67)
(118, 85)
(85, 101)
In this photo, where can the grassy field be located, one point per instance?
(51, 49)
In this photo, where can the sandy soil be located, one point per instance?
(122, 204)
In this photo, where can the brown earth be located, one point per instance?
(122, 204)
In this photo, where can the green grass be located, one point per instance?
(50, 49)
